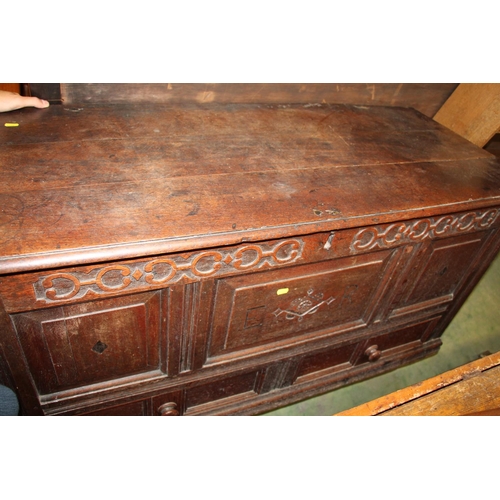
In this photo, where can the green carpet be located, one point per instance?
(473, 331)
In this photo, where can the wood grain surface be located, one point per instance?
(93, 183)
(425, 97)
(468, 389)
(473, 112)
(212, 258)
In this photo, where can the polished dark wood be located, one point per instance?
(230, 258)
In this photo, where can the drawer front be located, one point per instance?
(378, 347)
(135, 409)
(208, 397)
(326, 362)
(82, 344)
(333, 366)
(335, 359)
(254, 311)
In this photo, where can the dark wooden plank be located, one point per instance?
(133, 180)
(49, 91)
(425, 97)
(100, 144)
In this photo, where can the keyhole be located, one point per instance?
(100, 347)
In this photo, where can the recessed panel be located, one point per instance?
(87, 343)
(259, 309)
(440, 272)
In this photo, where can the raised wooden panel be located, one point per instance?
(448, 262)
(438, 272)
(87, 343)
(253, 311)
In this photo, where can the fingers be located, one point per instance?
(35, 102)
(9, 101)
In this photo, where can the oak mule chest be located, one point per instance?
(230, 259)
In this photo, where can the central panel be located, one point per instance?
(255, 310)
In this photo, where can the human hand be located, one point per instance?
(9, 101)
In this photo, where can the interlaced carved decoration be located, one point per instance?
(416, 231)
(163, 271)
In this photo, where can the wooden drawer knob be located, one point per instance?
(168, 410)
(373, 353)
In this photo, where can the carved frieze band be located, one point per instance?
(164, 271)
(416, 231)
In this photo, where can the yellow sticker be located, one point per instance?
(12, 124)
(282, 291)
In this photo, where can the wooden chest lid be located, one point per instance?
(96, 183)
